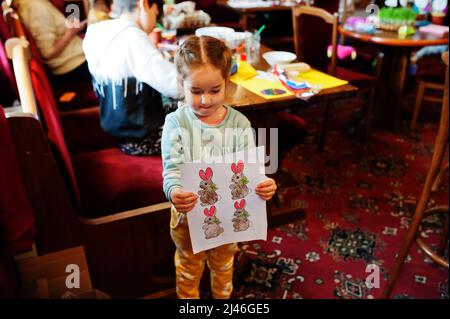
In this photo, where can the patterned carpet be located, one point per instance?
(359, 197)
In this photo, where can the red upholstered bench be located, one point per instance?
(16, 214)
(68, 97)
(8, 87)
(102, 180)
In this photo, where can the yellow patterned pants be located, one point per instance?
(189, 267)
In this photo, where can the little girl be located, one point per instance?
(203, 67)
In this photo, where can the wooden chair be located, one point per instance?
(429, 76)
(8, 87)
(69, 96)
(311, 47)
(434, 173)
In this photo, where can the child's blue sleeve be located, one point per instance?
(172, 155)
(246, 139)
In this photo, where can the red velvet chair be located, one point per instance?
(5, 34)
(311, 47)
(430, 75)
(60, 4)
(102, 179)
(69, 97)
(16, 215)
(83, 5)
(365, 69)
(130, 253)
(8, 87)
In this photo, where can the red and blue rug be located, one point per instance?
(359, 196)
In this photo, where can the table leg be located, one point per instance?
(278, 213)
(388, 103)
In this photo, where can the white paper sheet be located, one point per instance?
(225, 214)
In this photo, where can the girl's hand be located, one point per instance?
(183, 201)
(266, 189)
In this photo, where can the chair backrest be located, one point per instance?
(47, 106)
(445, 100)
(8, 87)
(314, 30)
(60, 5)
(13, 22)
(328, 5)
(18, 29)
(5, 33)
(16, 213)
(63, 5)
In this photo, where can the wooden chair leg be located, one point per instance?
(369, 114)
(438, 179)
(440, 146)
(324, 129)
(418, 105)
(444, 238)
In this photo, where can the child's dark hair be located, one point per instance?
(196, 51)
(123, 6)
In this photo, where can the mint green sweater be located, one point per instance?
(182, 130)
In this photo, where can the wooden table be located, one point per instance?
(397, 52)
(260, 108)
(246, 101)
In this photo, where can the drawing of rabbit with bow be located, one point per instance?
(240, 221)
(207, 192)
(239, 188)
(211, 224)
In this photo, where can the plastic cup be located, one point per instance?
(252, 47)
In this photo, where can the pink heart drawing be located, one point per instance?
(210, 212)
(205, 175)
(239, 205)
(237, 168)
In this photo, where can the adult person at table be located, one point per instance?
(129, 76)
(59, 45)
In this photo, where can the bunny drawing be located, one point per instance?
(239, 188)
(211, 223)
(207, 193)
(240, 221)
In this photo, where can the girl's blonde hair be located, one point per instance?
(196, 51)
